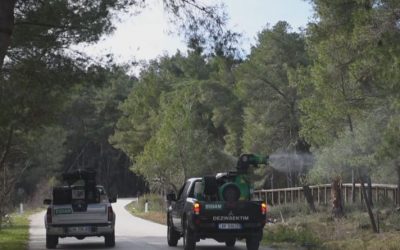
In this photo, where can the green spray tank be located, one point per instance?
(233, 185)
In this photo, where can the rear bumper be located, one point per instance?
(80, 230)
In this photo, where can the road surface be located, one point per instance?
(131, 233)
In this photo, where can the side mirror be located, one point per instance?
(112, 200)
(171, 197)
(47, 201)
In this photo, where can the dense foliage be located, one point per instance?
(329, 93)
(59, 107)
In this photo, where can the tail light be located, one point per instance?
(196, 208)
(49, 216)
(264, 208)
(110, 214)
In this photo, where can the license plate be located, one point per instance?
(229, 226)
(79, 229)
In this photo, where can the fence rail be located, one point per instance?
(322, 194)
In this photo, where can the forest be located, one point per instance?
(324, 102)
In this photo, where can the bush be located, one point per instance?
(284, 233)
(156, 203)
(157, 208)
(390, 221)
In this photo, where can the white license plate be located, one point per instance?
(229, 226)
(79, 229)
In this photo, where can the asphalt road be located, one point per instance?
(131, 233)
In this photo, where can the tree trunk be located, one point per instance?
(6, 27)
(309, 198)
(370, 191)
(337, 202)
(398, 182)
(367, 203)
(353, 187)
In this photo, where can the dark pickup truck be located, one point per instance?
(202, 211)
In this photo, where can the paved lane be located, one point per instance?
(131, 233)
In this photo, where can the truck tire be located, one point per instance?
(109, 240)
(51, 241)
(230, 242)
(252, 243)
(172, 235)
(189, 242)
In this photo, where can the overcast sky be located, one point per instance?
(145, 36)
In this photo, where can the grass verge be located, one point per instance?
(299, 227)
(156, 208)
(15, 236)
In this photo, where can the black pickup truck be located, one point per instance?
(202, 211)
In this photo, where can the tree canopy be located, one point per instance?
(325, 99)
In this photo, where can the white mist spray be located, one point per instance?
(288, 162)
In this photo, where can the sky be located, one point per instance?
(147, 35)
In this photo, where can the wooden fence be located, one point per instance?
(322, 194)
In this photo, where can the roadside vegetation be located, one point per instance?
(295, 226)
(301, 228)
(324, 103)
(156, 208)
(14, 234)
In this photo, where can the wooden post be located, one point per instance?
(318, 196)
(291, 196)
(377, 194)
(279, 197)
(272, 198)
(325, 194)
(359, 189)
(299, 195)
(285, 197)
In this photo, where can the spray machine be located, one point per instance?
(77, 195)
(233, 185)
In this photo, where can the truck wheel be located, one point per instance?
(51, 241)
(189, 242)
(252, 243)
(109, 240)
(172, 235)
(230, 243)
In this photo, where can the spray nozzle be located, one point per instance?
(247, 160)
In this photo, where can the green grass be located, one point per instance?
(321, 231)
(288, 234)
(157, 209)
(16, 235)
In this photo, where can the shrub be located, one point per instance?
(283, 233)
(156, 203)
